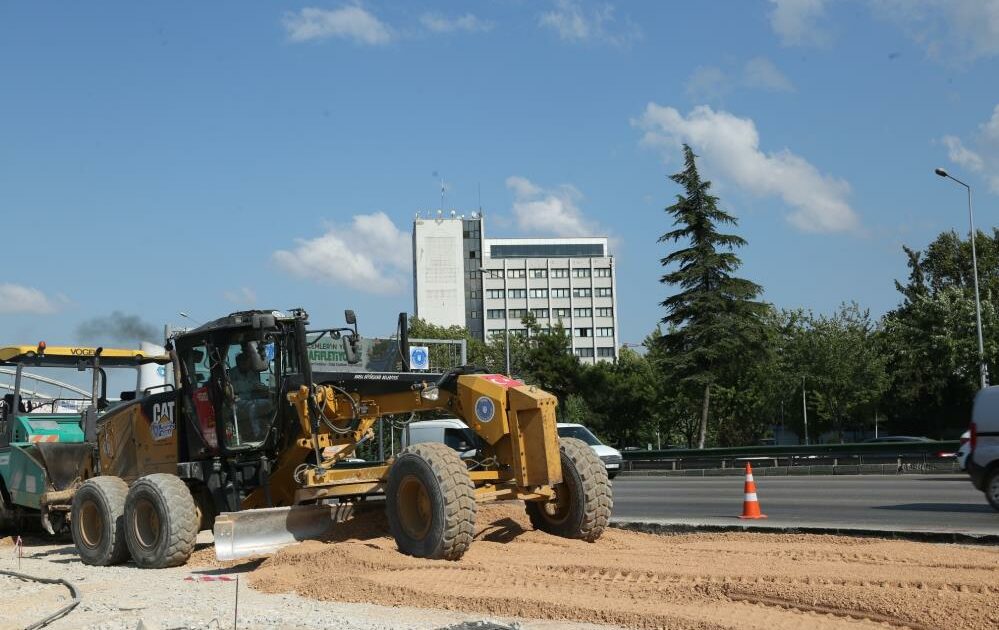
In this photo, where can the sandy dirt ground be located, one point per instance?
(630, 579)
(513, 573)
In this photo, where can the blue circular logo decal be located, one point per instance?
(419, 356)
(484, 409)
(161, 370)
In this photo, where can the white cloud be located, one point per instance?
(796, 22)
(956, 29)
(437, 23)
(576, 23)
(347, 22)
(370, 255)
(552, 211)
(16, 298)
(984, 158)
(711, 83)
(729, 147)
(761, 73)
(241, 296)
(707, 83)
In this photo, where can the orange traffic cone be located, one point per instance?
(751, 505)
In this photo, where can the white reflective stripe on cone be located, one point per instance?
(751, 496)
(749, 477)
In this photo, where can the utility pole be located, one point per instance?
(804, 408)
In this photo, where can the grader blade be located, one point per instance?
(263, 531)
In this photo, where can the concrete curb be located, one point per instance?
(792, 471)
(650, 527)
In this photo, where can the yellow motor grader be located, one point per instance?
(250, 440)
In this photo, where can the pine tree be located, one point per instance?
(715, 319)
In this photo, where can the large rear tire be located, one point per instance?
(583, 501)
(430, 502)
(98, 521)
(161, 521)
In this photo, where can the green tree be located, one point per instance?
(843, 367)
(548, 361)
(930, 339)
(620, 396)
(714, 317)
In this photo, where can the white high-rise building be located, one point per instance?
(571, 280)
(439, 289)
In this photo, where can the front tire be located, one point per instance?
(430, 502)
(992, 488)
(161, 521)
(582, 505)
(98, 521)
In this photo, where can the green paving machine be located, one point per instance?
(48, 443)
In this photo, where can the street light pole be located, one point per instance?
(983, 368)
(804, 408)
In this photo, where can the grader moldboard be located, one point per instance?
(252, 441)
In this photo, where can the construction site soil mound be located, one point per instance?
(727, 580)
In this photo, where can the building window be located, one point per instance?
(560, 293)
(582, 292)
(605, 332)
(540, 313)
(494, 294)
(518, 332)
(603, 291)
(473, 295)
(495, 332)
(539, 273)
(561, 313)
(560, 272)
(471, 254)
(584, 332)
(493, 273)
(515, 273)
(539, 293)
(581, 272)
(605, 311)
(495, 313)
(582, 312)
(516, 293)
(602, 272)
(517, 313)
(474, 314)
(584, 353)
(605, 352)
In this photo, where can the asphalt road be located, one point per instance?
(930, 503)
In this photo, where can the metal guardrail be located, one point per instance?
(841, 458)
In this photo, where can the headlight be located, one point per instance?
(611, 459)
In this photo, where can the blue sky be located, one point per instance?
(207, 157)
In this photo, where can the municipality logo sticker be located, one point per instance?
(485, 409)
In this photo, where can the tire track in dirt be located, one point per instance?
(685, 581)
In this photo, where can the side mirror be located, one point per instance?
(349, 349)
(350, 317)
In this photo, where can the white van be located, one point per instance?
(983, 444)
(611, 457)
(450, 431)
(458, 436)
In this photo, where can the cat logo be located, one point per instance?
(162, 424)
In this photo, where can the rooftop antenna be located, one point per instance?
(480, 197)
(442, 193)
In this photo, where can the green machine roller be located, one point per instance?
(47, 443)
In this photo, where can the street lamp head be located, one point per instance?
(940, 172)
